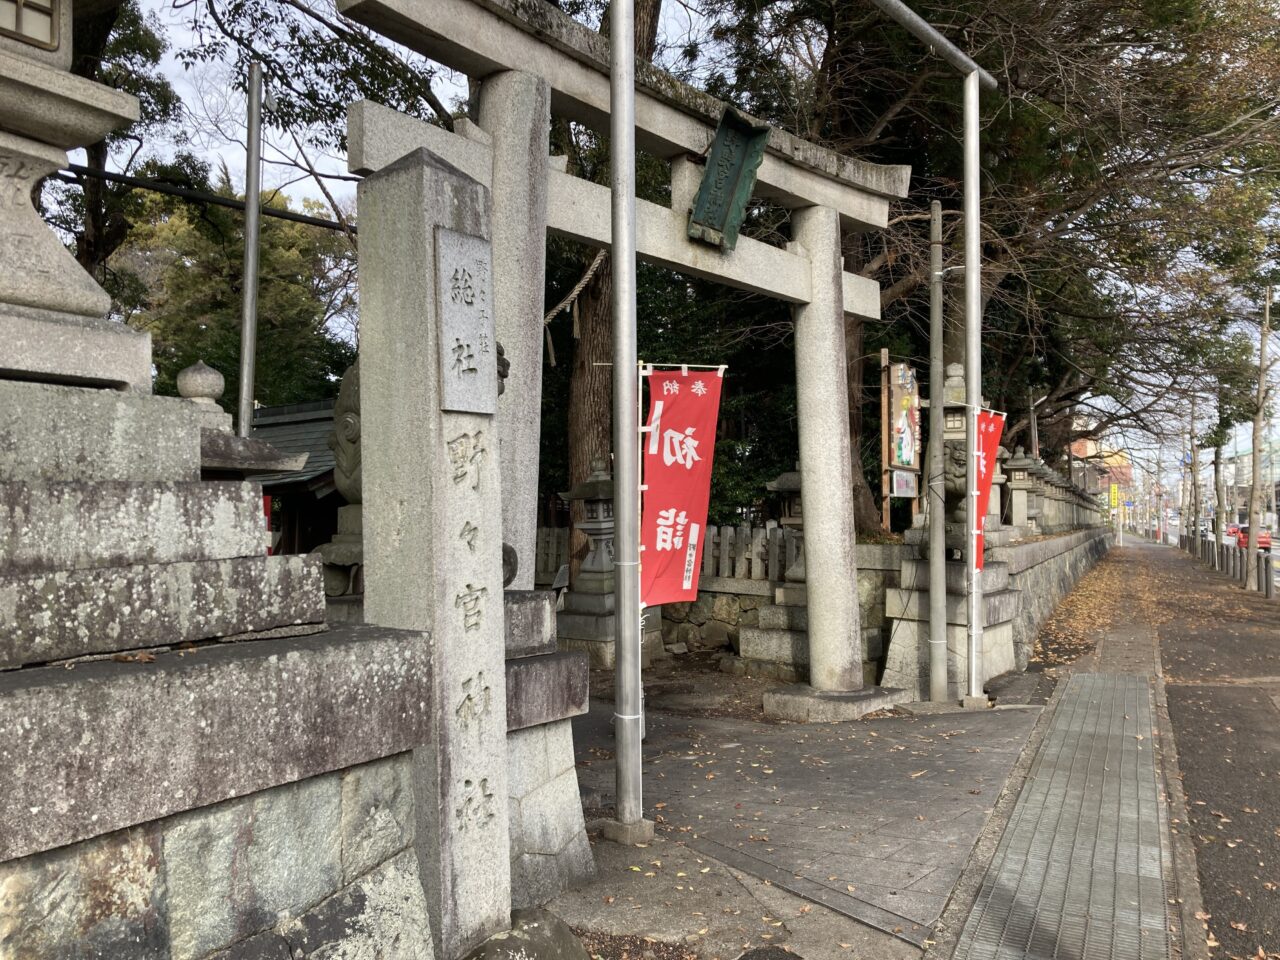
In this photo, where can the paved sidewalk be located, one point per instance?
(1088, 865)
(871, 819)
(1082, 867)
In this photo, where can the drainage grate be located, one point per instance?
(1081, 869)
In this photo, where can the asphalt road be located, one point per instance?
(1220, 649)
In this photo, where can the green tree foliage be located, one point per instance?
(1128, 161)
(186, 264)
(120, 47)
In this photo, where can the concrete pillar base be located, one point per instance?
(975, 703)
(628, 834)
(803, 704)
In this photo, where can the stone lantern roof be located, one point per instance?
(788, 482)
(597, 486)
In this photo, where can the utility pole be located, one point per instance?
(1255, 491)
(938, 687)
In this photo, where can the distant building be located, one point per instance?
(304, 503)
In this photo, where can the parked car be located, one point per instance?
(1264, 537)
(1231, 534)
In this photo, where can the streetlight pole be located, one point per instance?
(974, 77)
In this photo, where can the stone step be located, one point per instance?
(1001, 606)
(65, 526)
(914, 575)
(51, 433)
(802, 704)
(112, 744)
(774, 617)
(778, 646)
(546, 688)
(907, 662)
(71, 613)
(60, 348)
(792, 646)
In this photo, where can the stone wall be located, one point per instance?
(549, 847)
(289, 871)
(1022, 583)
(726, 604)
(1043, 572)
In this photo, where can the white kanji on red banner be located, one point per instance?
(990, 428)
(678, 452)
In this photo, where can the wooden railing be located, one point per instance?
(740, 552)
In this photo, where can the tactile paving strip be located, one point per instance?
(1080, 871)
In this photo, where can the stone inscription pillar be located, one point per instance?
(515, 110)
(826, 478)
(433, 544)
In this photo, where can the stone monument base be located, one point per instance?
(803, 704)
(627, 834)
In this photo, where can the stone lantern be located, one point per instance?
(788, 484)
(51, 310)
(1021, 486)
(596, 495)
(995, 534)
(1039, 485)
(1057, 489)
(586, 622)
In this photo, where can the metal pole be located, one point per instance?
(252, 197)
(628, 719)
(925, 31)
(937, 424)
(973, 373)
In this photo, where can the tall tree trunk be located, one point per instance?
(1259, 417)
(866, 506)
(590, 396)
(591, 381)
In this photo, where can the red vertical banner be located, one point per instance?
(677, 448)
(990, 429)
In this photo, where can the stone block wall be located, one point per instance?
(712, 621)
(288, 871)
(549, 847)
(1043, 572)
(1022, 584)
(726, 604)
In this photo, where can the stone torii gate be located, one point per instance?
(530, 60)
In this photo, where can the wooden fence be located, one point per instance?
(743, 552)
(551, 552)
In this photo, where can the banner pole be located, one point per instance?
(630, 825)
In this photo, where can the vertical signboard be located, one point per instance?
(678, 445)
(902, 452)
